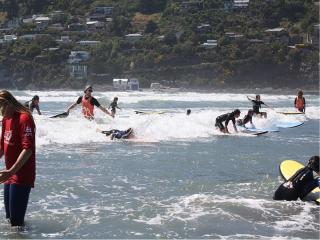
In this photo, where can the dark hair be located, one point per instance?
(115, 98)
(237, 111)
(188, 111)
(35, 97)
(313, 163)
(258, 95)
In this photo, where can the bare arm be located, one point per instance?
(22, 159)
(105, 111)
(71, 107)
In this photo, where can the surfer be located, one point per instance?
(226, 118)
(301, 183)
(257, 105)
(300, 102)
(88, 102)
(18, 148)
(33, 104)
(118, 134)
(247, 118)
(113, 105)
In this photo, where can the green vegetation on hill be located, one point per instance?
(171, 49)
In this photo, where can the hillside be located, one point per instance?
(196, 43)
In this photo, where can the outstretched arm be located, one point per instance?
(71, 107)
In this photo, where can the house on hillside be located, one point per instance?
(41, 23)
(76, 27)
(95, 26)
(106, 11)
(192, 5)
(133, 37)
(235, 4)
(77, 66)
(204, 28)
(279, 35)
(64, 40)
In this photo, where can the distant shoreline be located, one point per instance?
(266, 90)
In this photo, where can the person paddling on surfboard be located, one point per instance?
(301, 183)
(247, 118)
(300, 102)
(226, 118)
(88, 102)
(118, 134)
(257, 105)
(33, 104)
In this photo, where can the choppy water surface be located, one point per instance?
(185, 180)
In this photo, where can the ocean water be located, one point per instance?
(182, 179)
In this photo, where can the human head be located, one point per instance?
(87, 90)
(236, 113)
(9, 104)
(36, 99)
(188, 111)
(300, 93)
(258, 97)
(115, 99)
(313, 163)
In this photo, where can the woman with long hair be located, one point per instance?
(18, 147)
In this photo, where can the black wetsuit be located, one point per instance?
(225, 117)
(247, 118)
(93, 101)
(31, 105)
(256, 106)
(298, 186)
(118, 134)
(113, 106)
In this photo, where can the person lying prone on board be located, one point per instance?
(118, 134)
(301, 183)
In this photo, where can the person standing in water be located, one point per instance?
(88, 102)
(18, 148)
(226, 118)
(33, 104)
(300, 102)
(113, 105)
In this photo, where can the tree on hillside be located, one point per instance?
(151, 27)
(152, 6)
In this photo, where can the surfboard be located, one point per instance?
(291, 113)
(61, 115)
(256, 133)
(288, 168)
(289, 124)
(144, 112)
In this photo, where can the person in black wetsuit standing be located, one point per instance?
(257, 105)
(226, 118)
(301, 183)
(113, 105)
(33, 104)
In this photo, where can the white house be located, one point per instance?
(120, 83)
(78, 56)
(126, 84)
(9, 38)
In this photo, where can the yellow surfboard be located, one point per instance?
(289, 167)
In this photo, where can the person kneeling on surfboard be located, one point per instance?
(118, 134)
(301, 183)
(247, 118)
(226, 118)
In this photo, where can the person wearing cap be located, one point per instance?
(226, 118)
(301, 183)
(256, 105)
(88, 102)
(33, 104)
(300, 102)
